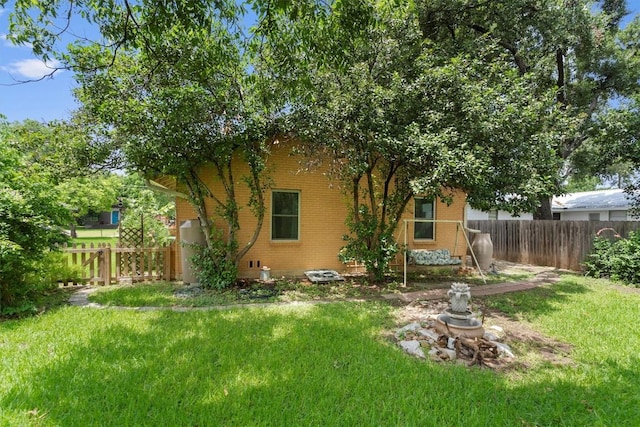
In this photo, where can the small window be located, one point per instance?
(618, 216)
(285, 208)
(556, 216)
(424, 209)
(594, 216)
(493, 214)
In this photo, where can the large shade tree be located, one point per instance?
(397, 117)
(579, 49)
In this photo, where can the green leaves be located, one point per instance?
(31, 217)
(617, 259)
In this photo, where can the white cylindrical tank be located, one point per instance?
(190, 234)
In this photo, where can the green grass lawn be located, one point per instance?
(95, 236)
(95, 240)
(324, 365)
(97, 232)
(162, 294)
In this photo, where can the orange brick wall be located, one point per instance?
(323, 210)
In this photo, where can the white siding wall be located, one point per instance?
(473, 214)
(584, 215)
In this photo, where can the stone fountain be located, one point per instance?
(458, 319)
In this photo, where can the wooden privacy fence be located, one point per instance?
(104, 264)
(561, 244)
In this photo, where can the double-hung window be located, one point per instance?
(285, 215)
(424, 209)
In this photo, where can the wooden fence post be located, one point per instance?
(167, 261)
(106, 271)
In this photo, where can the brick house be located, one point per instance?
(305, 220)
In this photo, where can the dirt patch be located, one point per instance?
(530, 347)
(523, 338)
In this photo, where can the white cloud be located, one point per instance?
(31, 68)
(6, 42)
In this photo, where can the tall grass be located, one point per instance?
(312, 365)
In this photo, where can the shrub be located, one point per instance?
(27, 233)
(213, 265)
(618, 260)
(367, 244)
(31, 217)
(55, 268)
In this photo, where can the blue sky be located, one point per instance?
(44, 100)
(50, 98)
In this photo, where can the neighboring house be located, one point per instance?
(104, 219)
(474, 214)
(600, 205)
(305, 220)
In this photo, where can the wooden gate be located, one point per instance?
(104, 264)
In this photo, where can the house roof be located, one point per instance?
(592, 200)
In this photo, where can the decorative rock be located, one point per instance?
(429, 334)
(504, 349)
(412, 347)
(420, 340)
(442, 354)
(450, 354)
(411, 327)
(434, 354)
(490, 336)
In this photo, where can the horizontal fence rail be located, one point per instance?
(560, 244)
(105, 264)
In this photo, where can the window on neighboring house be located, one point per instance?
(285, 215)
(556, 216)
(618, 216)
(424, 209)
(493, 214)
(594, 216)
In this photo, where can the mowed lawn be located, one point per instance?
(316, 365)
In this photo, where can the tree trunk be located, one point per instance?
(72, 230)
(544, 210)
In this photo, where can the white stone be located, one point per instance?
(430, 334)
(411, 327)
(451, 354)
(413, 348)
(434, 354)
(451, 343)
(496, 331)
(503, 349)
(441, 354)
(490, 336)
